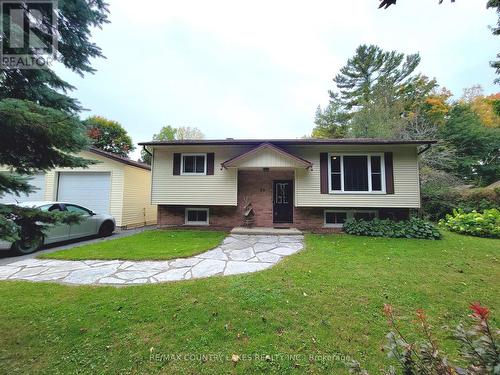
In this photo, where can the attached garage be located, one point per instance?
(38, 181)
(89, 189)
(115, 185)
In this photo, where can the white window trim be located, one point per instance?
(193, 173)
(349, 215)
(186, 222)
(326, 225)
(369, 155)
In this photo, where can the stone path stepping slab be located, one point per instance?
(237, 254)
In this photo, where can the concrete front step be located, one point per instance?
(267, 231)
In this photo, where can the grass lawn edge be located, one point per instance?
(149, 245)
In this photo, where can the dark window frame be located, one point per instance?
(373, 174)
(191, 209)
(334, 225)
(350, 213)
(194, 173)
(368, 156)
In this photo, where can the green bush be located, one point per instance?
(439, 193)
(479, 199)
(474, 223)
(412, 228)
(437, 203)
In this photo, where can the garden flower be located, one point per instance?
(479, 312)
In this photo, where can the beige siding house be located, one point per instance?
(114, 185)
(303, 183)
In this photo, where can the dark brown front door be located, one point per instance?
(283, 201)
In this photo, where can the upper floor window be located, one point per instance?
(194, 164)
(355, 173)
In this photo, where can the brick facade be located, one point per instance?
(257, 187)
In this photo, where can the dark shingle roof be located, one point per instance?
(284, 142)
(120, 159)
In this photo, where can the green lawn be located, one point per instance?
(148, 245)
(314, 307)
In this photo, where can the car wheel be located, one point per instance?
(27, 245)
(106, 229)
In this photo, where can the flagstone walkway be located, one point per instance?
(236, 255)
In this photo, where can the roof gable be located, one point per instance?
(266, 155)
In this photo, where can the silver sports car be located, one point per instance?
(92, 224)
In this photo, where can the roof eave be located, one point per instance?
(119, 159)
(312, 142)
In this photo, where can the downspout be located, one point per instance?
(151, 188)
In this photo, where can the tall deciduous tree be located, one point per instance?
(483, 106)
(496, 107)
(167, 133)
(478, 147)
(436, 106)
(108, 135)
(187, 132)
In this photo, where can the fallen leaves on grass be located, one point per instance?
(235, 359)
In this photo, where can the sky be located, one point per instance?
(259, 69)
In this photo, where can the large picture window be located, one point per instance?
(356, 173)
(194, 164)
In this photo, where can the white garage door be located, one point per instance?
(38, 181)
(89, 189)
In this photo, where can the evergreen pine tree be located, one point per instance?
(369, 67)
(38, 120)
